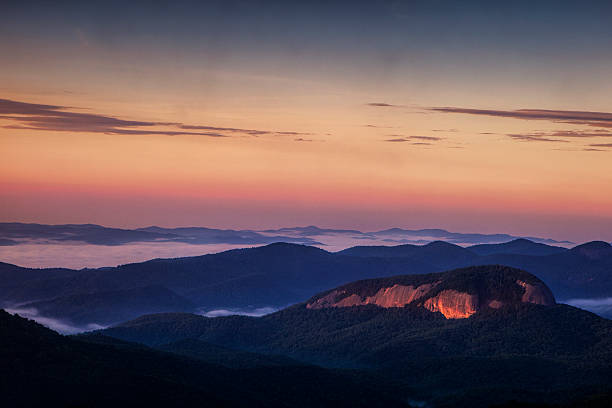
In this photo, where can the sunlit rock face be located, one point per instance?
(456, 294)
(394, 296)
(453, 304)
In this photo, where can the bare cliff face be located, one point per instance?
(456, 294)
(394, 296)
(453, 304)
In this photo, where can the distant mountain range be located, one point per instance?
(277, 275)
(19, 233)
(16, 233)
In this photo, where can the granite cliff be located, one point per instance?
(456, 294)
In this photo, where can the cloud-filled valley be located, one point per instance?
(94, 246)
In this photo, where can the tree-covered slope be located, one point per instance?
(281, 274)
(521, 351)
(41, 368)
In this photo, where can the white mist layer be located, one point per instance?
(258, 312)
(75, 255)
(78, 256)
(600, 306)
(57, 325)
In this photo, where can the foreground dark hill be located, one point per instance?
(281, 274)
(522, 348)
(41, 368)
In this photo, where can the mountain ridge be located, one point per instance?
(518, 246)
(15, 233)
(456, 294)
(285, 273)
(467, 362)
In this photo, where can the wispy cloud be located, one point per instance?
(534, 138)
(582, 134)
(415, 140)
(377, 126)
(407, 140)
(30, 116)
(595, 119)
(252, 132)
(257, 312)
(601, 145)
(572, 134)
(601, 306)
(60, 326)
(432, 138)
(384, 105)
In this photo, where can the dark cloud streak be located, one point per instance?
(419, 139)
(534, 138)
(575, 134)
(431, 138)
(595, 119)
(31, 116)
(383, 105)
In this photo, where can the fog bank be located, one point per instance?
(57, 325)
(600, 306)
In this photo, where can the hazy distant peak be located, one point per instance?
(594, 249)
(593, 245)
(521, 246)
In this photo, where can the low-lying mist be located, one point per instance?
(601, 306)
(60, 326)
(257, 312)
(67, 327)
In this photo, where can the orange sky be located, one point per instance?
(320, 153)
(347, 167)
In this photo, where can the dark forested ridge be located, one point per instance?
(107, 307)
(280, 274)
(521, 351)
(41, 368)
(519, 246)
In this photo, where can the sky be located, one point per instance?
(470, 116)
